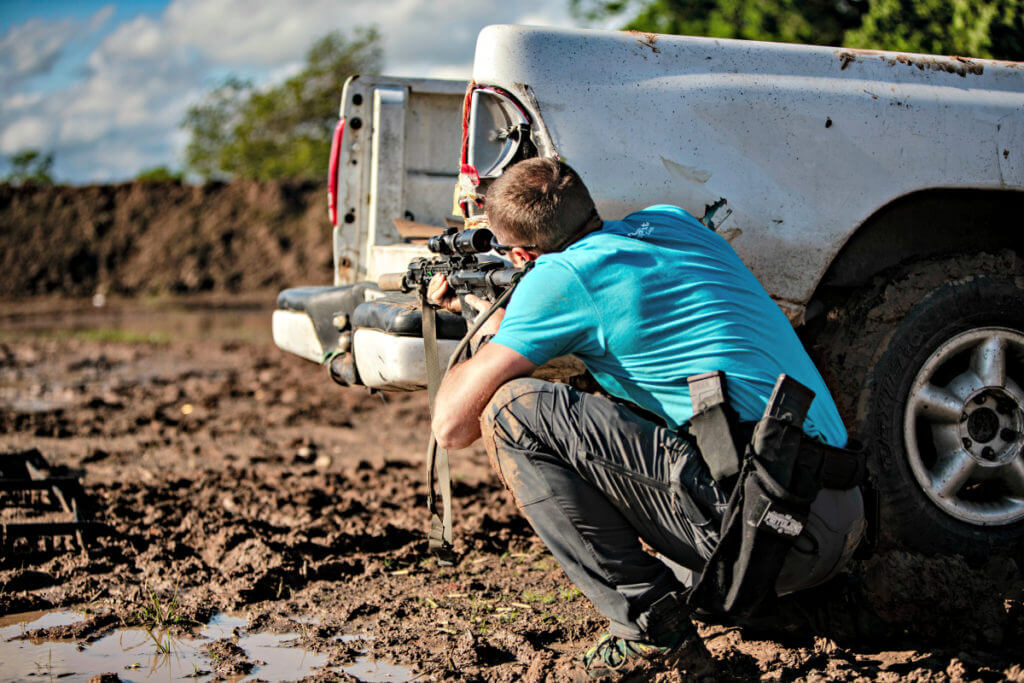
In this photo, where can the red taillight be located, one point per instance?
(466, 103)
(464, 166)
(332, 178)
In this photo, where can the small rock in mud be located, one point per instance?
(956, 670)
(329, 677)
(344, 654)
(825, 646)
(539, 667)
(96, 455)
(105, 678)
(229, 659)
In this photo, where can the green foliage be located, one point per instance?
(210, 125)
(975, 28)
(543, 598)
(159, 174)
(30, 167)
(280, 132)
(155, 613)
(821, 22)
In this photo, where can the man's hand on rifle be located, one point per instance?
(440, 294)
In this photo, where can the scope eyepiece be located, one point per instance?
(452, 241)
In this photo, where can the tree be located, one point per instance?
(284, 131)
(30, 167)
(159, 174)
(821, 22)
(974, 28)
(210, 124)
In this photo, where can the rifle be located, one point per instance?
(460, 259)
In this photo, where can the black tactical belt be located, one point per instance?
(832, 467)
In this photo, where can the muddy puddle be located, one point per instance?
(141, 321)
(221, 650)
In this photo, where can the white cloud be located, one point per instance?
(282, 73)
(122, 117)
(242, 32)
(35, 46)
(23, 101)
(124, 112)
(455, 72)
(141, 38)
(418, 35)
(25, 133)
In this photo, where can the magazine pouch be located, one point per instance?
(767, 509)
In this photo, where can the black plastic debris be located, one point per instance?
(40, 504)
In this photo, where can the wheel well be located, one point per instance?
(901, 253)
(927, 224)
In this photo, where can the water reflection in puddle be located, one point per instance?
(139, 320)
(136, 654)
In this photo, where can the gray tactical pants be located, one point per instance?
(594, 480)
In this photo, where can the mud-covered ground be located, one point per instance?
(238, 478)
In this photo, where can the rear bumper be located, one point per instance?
(317, 323)
(294, 332)
(385, 361)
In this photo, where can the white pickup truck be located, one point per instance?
(878, 196)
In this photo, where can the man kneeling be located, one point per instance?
(645, 302)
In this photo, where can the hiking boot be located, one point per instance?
(612, 656)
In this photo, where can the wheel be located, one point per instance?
(944, 420)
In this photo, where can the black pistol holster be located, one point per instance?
(779, 477)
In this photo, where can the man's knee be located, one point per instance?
(504, 423)
(512, 400)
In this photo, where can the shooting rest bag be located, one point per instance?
(400, 315)
(781, 473)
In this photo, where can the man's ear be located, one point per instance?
(525, 255)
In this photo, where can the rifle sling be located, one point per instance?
(439, 541)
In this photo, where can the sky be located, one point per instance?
(104, 85)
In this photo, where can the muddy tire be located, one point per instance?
(942, 415)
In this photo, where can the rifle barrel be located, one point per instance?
(392, 282)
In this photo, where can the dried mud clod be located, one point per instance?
(108, 677)
(87, 630)
(229, 659)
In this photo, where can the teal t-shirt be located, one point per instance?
(652, 299)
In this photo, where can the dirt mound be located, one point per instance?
(162, 238)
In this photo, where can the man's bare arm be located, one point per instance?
(468, 387)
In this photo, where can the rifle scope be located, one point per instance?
(451, 241)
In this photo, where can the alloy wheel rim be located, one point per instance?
(963, 426)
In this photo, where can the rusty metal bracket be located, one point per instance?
(26, 474)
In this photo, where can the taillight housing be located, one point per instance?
(495, 130)
(495, 135)
(332, 177)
